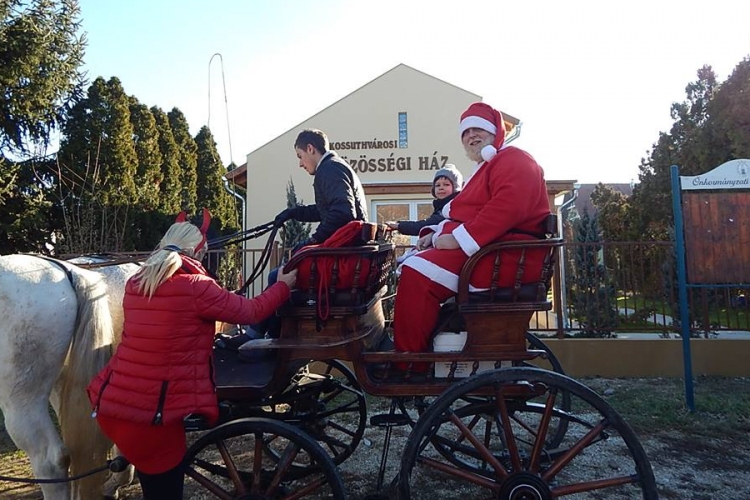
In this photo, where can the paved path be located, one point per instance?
(651, 336)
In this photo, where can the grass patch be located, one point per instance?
(658, 405)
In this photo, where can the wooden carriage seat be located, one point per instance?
(497, 319)
(339, 285)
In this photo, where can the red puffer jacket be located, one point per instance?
(162, 370)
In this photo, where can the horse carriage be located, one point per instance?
(495, 418)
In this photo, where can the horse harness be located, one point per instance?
(62, 266)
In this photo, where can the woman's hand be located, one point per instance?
(424, 242)
(289, 278)
(392, 224)
(446, 242)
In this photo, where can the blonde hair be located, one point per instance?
(180, 238)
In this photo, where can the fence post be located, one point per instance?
(679, 236)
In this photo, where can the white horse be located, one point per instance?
(58, 329)
(115, 276)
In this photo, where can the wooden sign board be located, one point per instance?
(717, 236)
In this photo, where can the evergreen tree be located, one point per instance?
(170, 187)
(612, 208)
(149, 224)
(614, 217)
(592, 296)
(293, 231)
(729, 116)
(99, 130)
(689, 144)
(146, 139)
(187, 158)
(25, 194)
(41, 53)
(98, 166)
(210, 191)
(40, 77)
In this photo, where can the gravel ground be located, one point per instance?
(686, 465)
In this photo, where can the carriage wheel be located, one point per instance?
(329, 405)
(477, 404)
(499, 445)
(232, 462)
(548, 361)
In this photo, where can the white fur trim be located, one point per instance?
(446, 211)
(433, 272)
(438, 230)
(465, 241)
(488, 152)
(476, 122)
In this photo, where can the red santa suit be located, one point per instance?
(505, 199)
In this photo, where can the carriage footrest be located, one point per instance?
(389, 420)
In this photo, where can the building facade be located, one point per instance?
(395, 131)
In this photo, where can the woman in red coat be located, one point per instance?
(162, 369)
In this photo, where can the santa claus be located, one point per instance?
(504, 199)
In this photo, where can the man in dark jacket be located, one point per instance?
(339, 197)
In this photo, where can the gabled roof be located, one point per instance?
(512, 124)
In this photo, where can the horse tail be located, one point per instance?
(90, 350)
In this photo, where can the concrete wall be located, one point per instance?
(650, 358)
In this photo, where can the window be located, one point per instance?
(403, 131)
(402, 210)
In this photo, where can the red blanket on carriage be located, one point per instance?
(347, 277)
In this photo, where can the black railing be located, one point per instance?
(605, 288)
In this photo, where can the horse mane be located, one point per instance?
(89, 352)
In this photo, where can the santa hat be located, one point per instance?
(484, 116)
(450, 172)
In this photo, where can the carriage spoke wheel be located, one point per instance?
(548, 361)
(498, 443)
(478, 405)
(232, 462)
(328, 404)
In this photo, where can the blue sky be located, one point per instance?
(593, 81)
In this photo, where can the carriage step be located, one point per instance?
(389, 420)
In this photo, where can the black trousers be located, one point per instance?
(165, 486)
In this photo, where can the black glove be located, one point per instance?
(284, 216)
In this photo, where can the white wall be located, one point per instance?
(370, 113)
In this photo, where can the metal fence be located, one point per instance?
(612, 287)
(605, 288)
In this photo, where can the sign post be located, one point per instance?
(712, 239)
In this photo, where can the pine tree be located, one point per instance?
(592, 294)
(41, 53)
(294, 231)
(98, 165)
(149, 224)
(210, 191)
(146, 138)
(22, 192)
(170, 188)
(689, 144)
(187, 158)
(40, 77)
